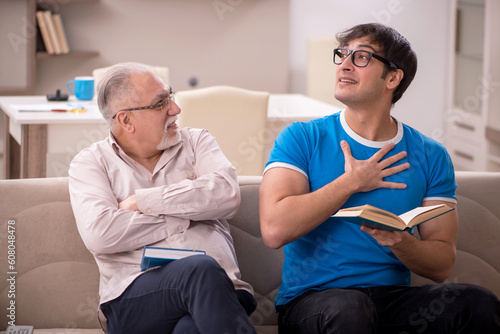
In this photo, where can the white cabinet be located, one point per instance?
(473, 119)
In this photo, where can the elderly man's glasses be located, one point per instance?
(163, 104)
(360, 58)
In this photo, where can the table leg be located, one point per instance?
(6, 147)
(33, 150)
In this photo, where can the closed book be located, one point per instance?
(159, 256)
(49, 22)
(61, 34)
(40, 18)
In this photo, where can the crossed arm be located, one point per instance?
(110, 219)
(289, 210)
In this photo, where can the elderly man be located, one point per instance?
(152, 184)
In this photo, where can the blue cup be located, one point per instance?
(84, 88)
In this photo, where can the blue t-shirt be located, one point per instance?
(337, 254)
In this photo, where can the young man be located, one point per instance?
(342, 278)
(150, 183)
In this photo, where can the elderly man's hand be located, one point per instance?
(129, 203)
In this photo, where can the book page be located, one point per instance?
(408, 216)
(366, 207)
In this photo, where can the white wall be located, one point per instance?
(221, 42)
(425, 23)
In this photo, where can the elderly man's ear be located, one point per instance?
(125, 122)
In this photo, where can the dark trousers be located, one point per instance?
(444, 309)
(191, 295)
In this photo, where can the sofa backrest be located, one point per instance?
(57, 279)
(478, 239)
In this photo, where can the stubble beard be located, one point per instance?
(169, 139)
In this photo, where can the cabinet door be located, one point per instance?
(491, 87)
(18, 33)
(469, 56)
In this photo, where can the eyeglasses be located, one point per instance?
(162, 104)
(360, 58)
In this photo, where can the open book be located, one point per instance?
(377, 218)
(158, 256)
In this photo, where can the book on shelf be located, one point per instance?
(373, 217)
(61, 33)
(49, 22)
(53, 33)
(159, 256)
(44, 31)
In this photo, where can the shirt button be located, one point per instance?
(149, 211)
(180, 228)
(172, 237)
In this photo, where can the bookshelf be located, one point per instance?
(51, 2)
(28, 23)
(71, 54)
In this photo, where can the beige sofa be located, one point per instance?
(56, 280)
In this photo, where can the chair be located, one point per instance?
(236, 117)
(161, 71)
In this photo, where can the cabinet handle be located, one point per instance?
(464, 155)
(464, 126)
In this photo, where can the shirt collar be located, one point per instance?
(370, 143)
(167, 154)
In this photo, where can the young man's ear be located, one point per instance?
(395, 78)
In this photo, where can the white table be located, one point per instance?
(284, 109)
(47, 140)
(297, 108)
(42, 143)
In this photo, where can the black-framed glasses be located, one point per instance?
(160, 105)
(360, 58)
